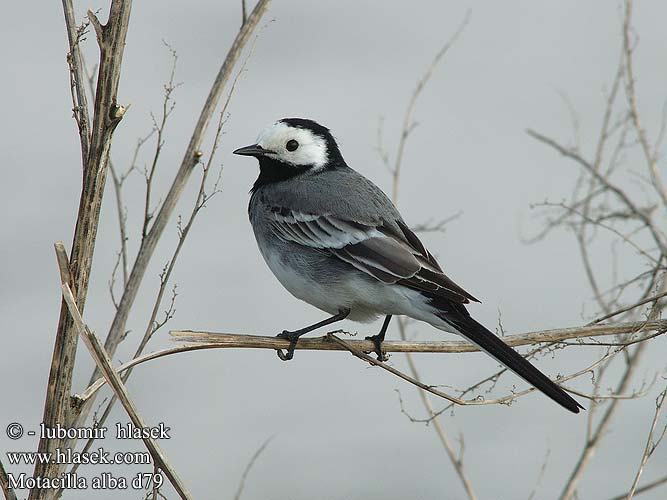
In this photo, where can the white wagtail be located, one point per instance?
(335, 240)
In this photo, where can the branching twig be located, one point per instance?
(365, 357)
(159, 129)
(408, 123)
(608, 185)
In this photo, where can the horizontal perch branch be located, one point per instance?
(211, 340)
(236, 340)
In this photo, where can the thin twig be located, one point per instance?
(408, 124)
(591, 444)
(159, 128)
(653, 298)
(118, 181)
(650, 445)
(656, 179)
(507, 400)
(75, 62)
(365, 357)
(457, 461)
(540, 476)
(643, 489)
(582, 229)
(249, 466)
(607, 184)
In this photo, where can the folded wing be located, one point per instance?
(389, 252)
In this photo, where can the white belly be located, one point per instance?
(365, 298)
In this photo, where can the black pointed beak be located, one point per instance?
(253, 150)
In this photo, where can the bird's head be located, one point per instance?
(290, 147)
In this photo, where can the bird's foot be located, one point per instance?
(377, 342)
(288, 354)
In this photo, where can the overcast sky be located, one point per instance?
(337, 428)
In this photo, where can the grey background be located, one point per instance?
(337, 428)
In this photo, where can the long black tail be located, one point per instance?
(495, 347)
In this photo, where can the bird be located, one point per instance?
(335, 240)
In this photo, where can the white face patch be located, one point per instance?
(311, 149)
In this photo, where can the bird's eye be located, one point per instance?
(292, 145)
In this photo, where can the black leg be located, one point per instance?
(379, 338)
(294, 336)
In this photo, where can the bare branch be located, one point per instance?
(159, 128)
(365, 357)
(600, 203)
(650, 445)
(9, 492)
(111, 39)
(210, 340)
(540, 476)
(592, 443)
(103, 362)
(229, 340)
(248, 467)
(457, 461)
(118, 181)
(408, 123)
(599, 223)
(190, 159)
(653, 299)
(628, 48)
(408, 126)
(643, 489)
(436, 227)
(606, 183)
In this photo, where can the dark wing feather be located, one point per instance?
(382, 257)
(391, 253)
(430, 277)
